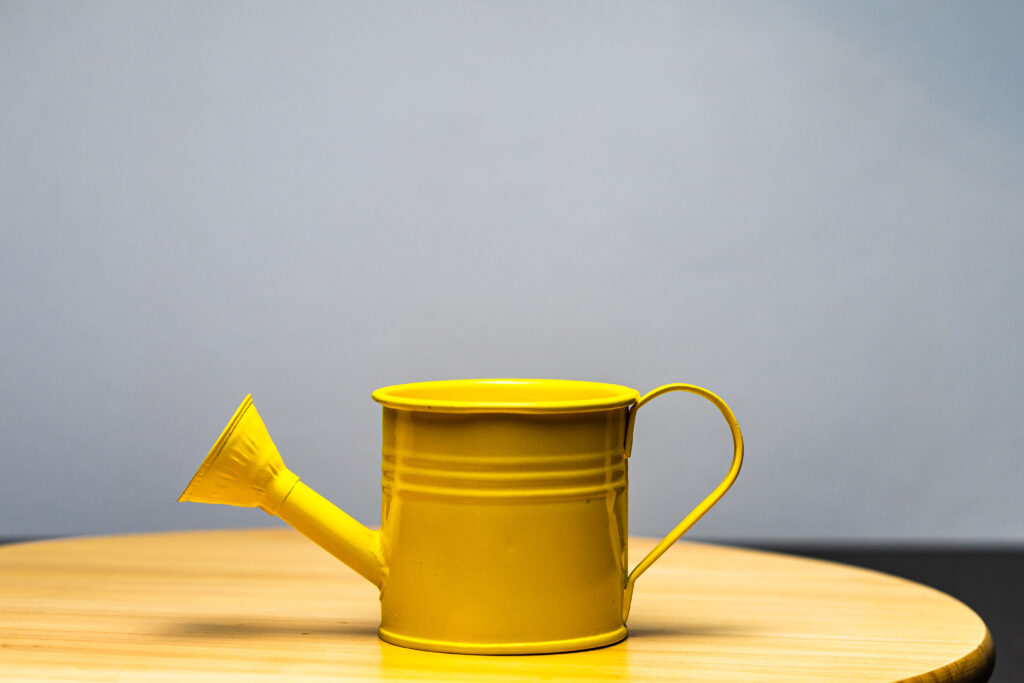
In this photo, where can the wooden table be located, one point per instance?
(265, 604)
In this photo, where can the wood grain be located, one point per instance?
(266, 605)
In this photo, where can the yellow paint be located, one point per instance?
(503, 522)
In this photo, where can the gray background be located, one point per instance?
(816, 211)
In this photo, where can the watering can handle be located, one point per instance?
(707, 503)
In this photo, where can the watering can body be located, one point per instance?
(504, 532)
(503, 517)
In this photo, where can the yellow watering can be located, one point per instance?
(503, 523)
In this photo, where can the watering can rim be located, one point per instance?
(521, 395)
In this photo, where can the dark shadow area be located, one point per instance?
(640, 630)
(248, 628)
(988, 580)
(29, 539)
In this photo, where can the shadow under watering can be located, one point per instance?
(503, 520)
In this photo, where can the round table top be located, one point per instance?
(265, 604)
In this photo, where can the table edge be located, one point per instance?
(974, 667)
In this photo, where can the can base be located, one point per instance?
(538, 647)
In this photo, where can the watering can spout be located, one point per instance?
(245, 469)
